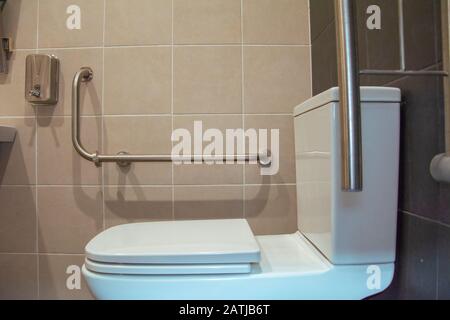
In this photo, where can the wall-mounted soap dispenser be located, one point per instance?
(42, 79)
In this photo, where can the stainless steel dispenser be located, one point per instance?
(42, 79)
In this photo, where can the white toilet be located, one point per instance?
(344, 249)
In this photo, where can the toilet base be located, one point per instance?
(290, 269)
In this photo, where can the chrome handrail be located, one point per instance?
(350, 104)
(86, 74)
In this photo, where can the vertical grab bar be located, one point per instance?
(350, 105)
(84, 75)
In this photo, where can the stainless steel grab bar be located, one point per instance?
(350, 105)
(124, 159)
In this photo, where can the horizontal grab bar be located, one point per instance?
(86, 74)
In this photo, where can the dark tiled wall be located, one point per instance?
(423, 261)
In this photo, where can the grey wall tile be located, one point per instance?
(444, 203)
(444, 263)
(422, 137)
(422, 33)
(321, 15)
(324, 61)
(378, 49)
(416, 265)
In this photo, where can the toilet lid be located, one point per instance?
(176, 242)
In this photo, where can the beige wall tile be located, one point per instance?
(17, 219)
(12, 87)
(68, 218)
(58, 163)
(285, 125)
(71, 60)
(207, 21)
(20, 23)
(147, 173)
(125, 204)
(191, 174)
(147, 135)
(276, 21)
(271, 209)
(18, 276)
(207, 84)
(207, 80)
(138, 22)
(276, 78)
(54, 273)
(138, 135)
(134, 134)
(53, 32)
(212, 202)
(18, 159)
(138, 80)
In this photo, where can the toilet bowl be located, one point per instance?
(344, 247)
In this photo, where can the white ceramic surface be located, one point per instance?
(349, 228)
(176, 242)
(290, 268)
(166, 269)
(367, 94)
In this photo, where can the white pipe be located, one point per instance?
(440, 168)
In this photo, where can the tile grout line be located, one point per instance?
(36, 194)
(103, 113)
(311, 92)
(142, 185)
(437, 268)
(425, 218)
(42, 254)
(244, 209)
(172, 105)
(151, 115)
(166, 46)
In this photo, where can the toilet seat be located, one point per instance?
(174, 248)
(166, 269)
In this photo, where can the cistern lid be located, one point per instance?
(367, 94)
(176, 242)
